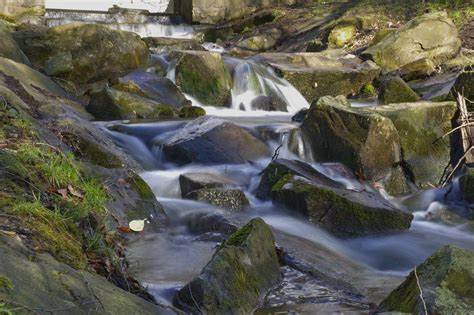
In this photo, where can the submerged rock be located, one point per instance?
(210, 140)
(395, 90)
(320, 74)
(230, 199)
(112, 104)
(204, 76)
(238, 276)
(432, 36)
(446, 281)
(268, 103)
(84, 53)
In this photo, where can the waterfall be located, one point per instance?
(252, 81)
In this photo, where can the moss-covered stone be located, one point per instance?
(321, 74)
(111, 104)
(380, 35)
(419, 125)
(395, 90)
(341, 35)
(193, 67)
(239, 275)
(9, 48)
(432, 36)
(466, 184)
(6, 283)
(340, 212)
(191, 112)
(417, 69)
(465, 85)
(445, 280)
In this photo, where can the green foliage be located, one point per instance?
(5, 283)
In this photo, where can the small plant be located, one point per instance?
(6, 283)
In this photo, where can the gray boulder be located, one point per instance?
(432, 36)
(193, 181)
(210, 140)
(229, 199)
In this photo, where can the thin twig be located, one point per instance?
(460, 162)
(421, 292)
(277, 152)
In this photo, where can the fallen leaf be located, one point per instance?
(137, 225)
(62, 192)
(74, 192)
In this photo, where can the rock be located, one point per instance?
(417, 69)
(111, 104)
(395, 90)
(238, 276)
(344, 213)
(262, 42)
(466, 185)
(437, 88)
(218, 11)
(154, 87)
(342, 35)
(230, 199)
(419, 125)
(193, 66)
(9, 48)
(381, 34)
(268, 103)
(445, 279)
(190, 182)
(202, 223)
(320, 74)
(316, 45)
(58, 286)
(363, 140)
(459, 63)
(432, 36)
(300, 115)
(166, 44)
(191, 112)
(465, 85)
(339, 100)
(277, 169)
(85, 53)
(210, 140)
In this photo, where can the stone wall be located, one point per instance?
(217, 11)
(22, 8)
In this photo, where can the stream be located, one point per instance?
(373, 265)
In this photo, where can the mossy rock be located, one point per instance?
(190, 182)
(446, 281)
(238, 276)
(342, 35)
(9, 48)
(191, 112)
(466, 184)
(364, 141)
(204, 76)
(465, 85)
(395, 90)
(418, 69)
(419, 126)
(381, 34)
(432, 36)
(341, 212)
(111, 104)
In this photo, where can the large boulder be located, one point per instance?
(9, 48)
(366, 142)
(320, 74)
(238, 276)
(204, 76)
(154, 87)
(419, 126)
(210, 140)
(190, 182)
(261, 42)
(111, 104)
(446, 282)
(84, 53)
(432, 36)
(218, 11)
(395, 90)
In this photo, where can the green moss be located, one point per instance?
(141, 187)
(282, 181)
(6, 283)
(369, 90)
(395, 90)
(129, 87)
(8, 18)
(466, 183)
(342, 35)
(192, 112)
(239, 237)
